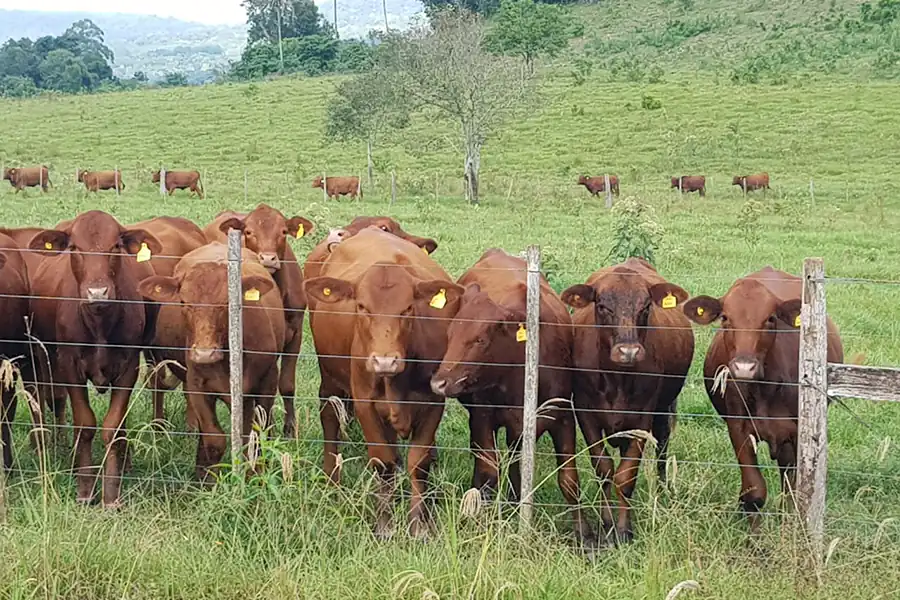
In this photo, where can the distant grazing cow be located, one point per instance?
(181, 180)
(196, 319)
(485, 342)
(632, 353)
(386, 304)
(342, 186)
(265, 231)
(690, 183)
(14, 290)
(23, 177)
(758, 343)
(759, 181)
(595, 185)
(89, 313)
(101, 180)
(316, 258)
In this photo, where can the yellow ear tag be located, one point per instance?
(300, 231)
(700, 311)
(251, 295)
(326, 292)
(425, 250)
(521, 334)
(439, 300)
(669, 301)
(797, 321)
(158, 289)
(48, 245)
(143, 254)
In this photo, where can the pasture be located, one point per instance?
(288, 535)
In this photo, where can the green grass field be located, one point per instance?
(292, 536)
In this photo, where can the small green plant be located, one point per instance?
(582, 67)
(648, 102)
(636, 232)
(748, 221)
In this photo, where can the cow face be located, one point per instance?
(10, 175)
(96, 245)
(317, 182)
(203, 295)
(738, 180)
(749, 314)
(388, 300)
(391, 226)
(265, 232)
(81, 174)
(675, 182)
(583, 180)
(154, 178)
(482, 334)
(622, 302)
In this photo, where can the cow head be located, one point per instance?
(583, 180)
(154, 178)
(265, 232)
(622, 301)
(481, 335)
(675, 181)
(317, 182)
(81, 174)
(388, 299)
(203, 295)
(10, 174)
(750, 316)
(3, 259)
(391, 226)
(738, 180)
(96, 245)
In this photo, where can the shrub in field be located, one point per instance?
(748, 221)
(636, 231)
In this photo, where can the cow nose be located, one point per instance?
(626, 354)
(335, 236)
(205, 356)
(269, 260)
(439, 386)
(385, 365)
(97, 294)
(744, 368)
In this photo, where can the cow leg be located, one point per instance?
(482, 444)
(58, 398)
(85, 423)
(331, 430)
(115, 440)
(562, 432)
(211, 443)
(787, 463)
(625, 480)
(592, 429)
(381, 441)
(287, 381)
(662, 430)
(8, 402)
(422, 454)
(753, 486)
(703, 192)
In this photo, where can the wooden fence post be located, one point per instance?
(162, 180)
(530, 405)
(116, 178)
(324, 186)
(359, 188)
(235, 345)
(608, 191)
(812, 193)
(393, 187)
(246, 186)
(812, 451)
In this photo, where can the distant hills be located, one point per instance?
(158, 45)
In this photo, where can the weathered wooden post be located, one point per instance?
(530, 406)
(235, 345)
(393, 187)
(608, 191)
(162, 180)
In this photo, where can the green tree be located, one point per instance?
(174, 79)
(15, 86)
(484, 7)
(528, 29)
(64, 72)
(18, 58)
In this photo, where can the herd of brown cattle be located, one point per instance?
(395, 336)
(685, 183)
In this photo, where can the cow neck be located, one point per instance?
(101, 320)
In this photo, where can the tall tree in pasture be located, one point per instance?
(446, 68)
(364, 108)
(387, 29)
(530, 29)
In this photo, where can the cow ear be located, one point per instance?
(262, 285)
(231, 223)
(161, 289)
(427, 244)
(295, 224)
(329, 289)
(472, 288)
(578, 296)
(668, 295)
(702, 310)
(50, 241)
(789, 312)
(438, 293)
(3, 259)
(134, 239)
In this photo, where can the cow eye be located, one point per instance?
(771, 320)
(724, 319)
(384, 228)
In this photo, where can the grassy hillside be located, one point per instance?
(301, 539)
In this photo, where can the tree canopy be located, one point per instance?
(529, 29)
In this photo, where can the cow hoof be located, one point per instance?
(420, 530)
(113, 506)
(384, 533)
(624, 536)
(84, 500)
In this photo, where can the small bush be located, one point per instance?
(748, 221)
(636, 232)
(648, 102)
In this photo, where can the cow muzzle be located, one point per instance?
(335, 236)
(97, 294)
(206, 356)
(269, 260)
(386, 365)
(627, 354)
(747, 368)
(447, 386)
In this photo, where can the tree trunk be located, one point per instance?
(369, 160)
(335, 20)
(473, 164)
(280, 45)
(384, 10)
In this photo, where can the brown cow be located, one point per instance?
(200, 327)
(759, 345)
(181, 180)
(595, 185)
(317, 257)
(632, 354)
(101, 180)
(690, 183)
(14, 290)
(265, 231)
(487, 337)
(374, 289)
(342, 186)
(759, 181)
(23, 177)
(89, 313)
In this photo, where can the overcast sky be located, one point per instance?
(203, 11)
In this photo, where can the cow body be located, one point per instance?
(632, 353)
(181, 180)
(595, 185)
(23, 177)
(95, 181)
(193, 330)
(759, 181)
(90, 315)
(690, 183)
(340, 186)
(485, 340)
(264, 231)
(758, 343)
(374, 349)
